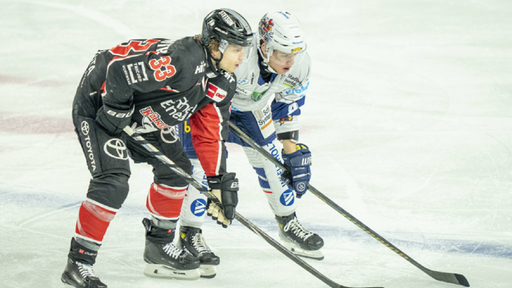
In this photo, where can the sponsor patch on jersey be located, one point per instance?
(153, 116)
(200, 68)
(135, 72)
(169, 135)
(293, 81)
(216, 93)
(229, 77)
(256, 96)
(178, 109)
(85, 128)
(299, 91)
(116, 149)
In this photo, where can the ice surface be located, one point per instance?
(408, 117)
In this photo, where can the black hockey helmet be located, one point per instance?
(227, 25)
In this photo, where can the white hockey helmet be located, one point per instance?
(281, 31)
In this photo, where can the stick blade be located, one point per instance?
(462, 280)
(341, 286)
(453, 278)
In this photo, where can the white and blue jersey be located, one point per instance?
(259, 103)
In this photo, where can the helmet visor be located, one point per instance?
(248, 50)
(296, 56)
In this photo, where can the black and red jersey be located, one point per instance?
(155, 84)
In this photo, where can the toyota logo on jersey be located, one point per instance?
(215, 93)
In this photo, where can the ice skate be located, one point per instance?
(80, 275)
(164, 259)
(298, 239)
(193, 241)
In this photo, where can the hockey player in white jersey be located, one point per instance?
(271, 88)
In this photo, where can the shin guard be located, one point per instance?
(164, 201)
(93, 220)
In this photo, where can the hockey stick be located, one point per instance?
(176, 169)
(440, 276)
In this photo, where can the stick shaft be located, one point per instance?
(441, 276)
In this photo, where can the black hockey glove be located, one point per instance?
(298, 174)
(225, 188)
(113, 120)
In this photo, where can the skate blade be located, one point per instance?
(295, 249)
(160, 271)
(316, 255)
(207, 271)
(65, 283)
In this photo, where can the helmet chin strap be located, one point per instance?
(223, 46)
(266, 60)
(217, 61)
(214, 68)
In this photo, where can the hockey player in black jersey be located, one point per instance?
(152, 85)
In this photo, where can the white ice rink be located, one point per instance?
(408, 117)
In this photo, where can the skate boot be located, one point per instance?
(164, 258)
(193, 241)
(298, 239)
(78, 272)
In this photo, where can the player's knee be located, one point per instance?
(164, 175)
(109, 189)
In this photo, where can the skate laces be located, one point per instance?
(171, 250)
(85, 270)
(297, 229)
(199, 244)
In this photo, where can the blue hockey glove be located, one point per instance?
(298, 173)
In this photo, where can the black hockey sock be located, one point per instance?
(83, 253)
(156, 234)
